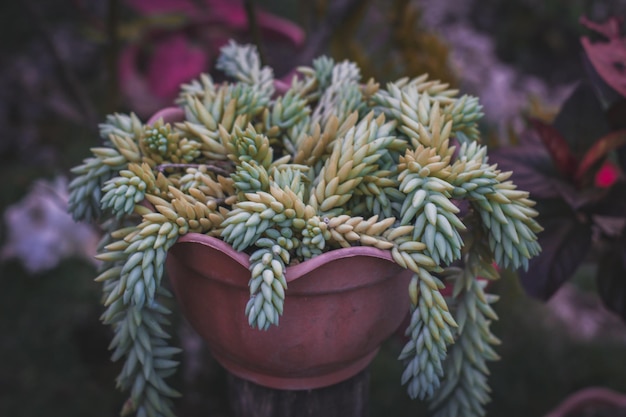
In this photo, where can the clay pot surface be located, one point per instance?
(339, 307)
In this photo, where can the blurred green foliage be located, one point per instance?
(541, 37)
(55, 360)
(541, 363)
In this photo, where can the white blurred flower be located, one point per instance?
(41, 232)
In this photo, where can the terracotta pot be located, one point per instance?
(168, 114)
(339, 307)
(589, 400)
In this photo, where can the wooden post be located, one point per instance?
(346, 399)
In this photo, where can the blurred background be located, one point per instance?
(66, 64)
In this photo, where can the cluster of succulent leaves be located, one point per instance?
(285, 176)
(574, 169)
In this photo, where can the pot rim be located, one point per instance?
(293, 272)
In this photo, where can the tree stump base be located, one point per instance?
(346, 399)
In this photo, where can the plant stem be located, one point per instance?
(112, 54)
(213, 168)
(254, 28)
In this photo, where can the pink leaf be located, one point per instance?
(608, 58)
(163, 6)
(610, 29)
(126, 66)
(607, 175)
(134, 85)
(279, 28)
(599, 150)
(174, 61)
(233, 14)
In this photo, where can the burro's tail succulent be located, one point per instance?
(331, 163)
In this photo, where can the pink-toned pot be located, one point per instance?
(339, 307)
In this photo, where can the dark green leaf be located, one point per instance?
(612, 203)
(581, 200)
(565, 242)
(611, 278)
(616, 115)
(598, 151)
(582, 120)
(606, 95)
(533, 170)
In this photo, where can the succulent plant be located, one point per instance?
(329, 163)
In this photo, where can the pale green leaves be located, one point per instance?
(243, 63)
(464, 390)
(322, 163)
(267, 284)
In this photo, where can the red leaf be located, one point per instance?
(134, 84)
(175, 61)
(233, 15)
(606, 175)
(565, 243)
(602, 146)
(557, 146)
(610, 29)
(148, 7)
(608, 58)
